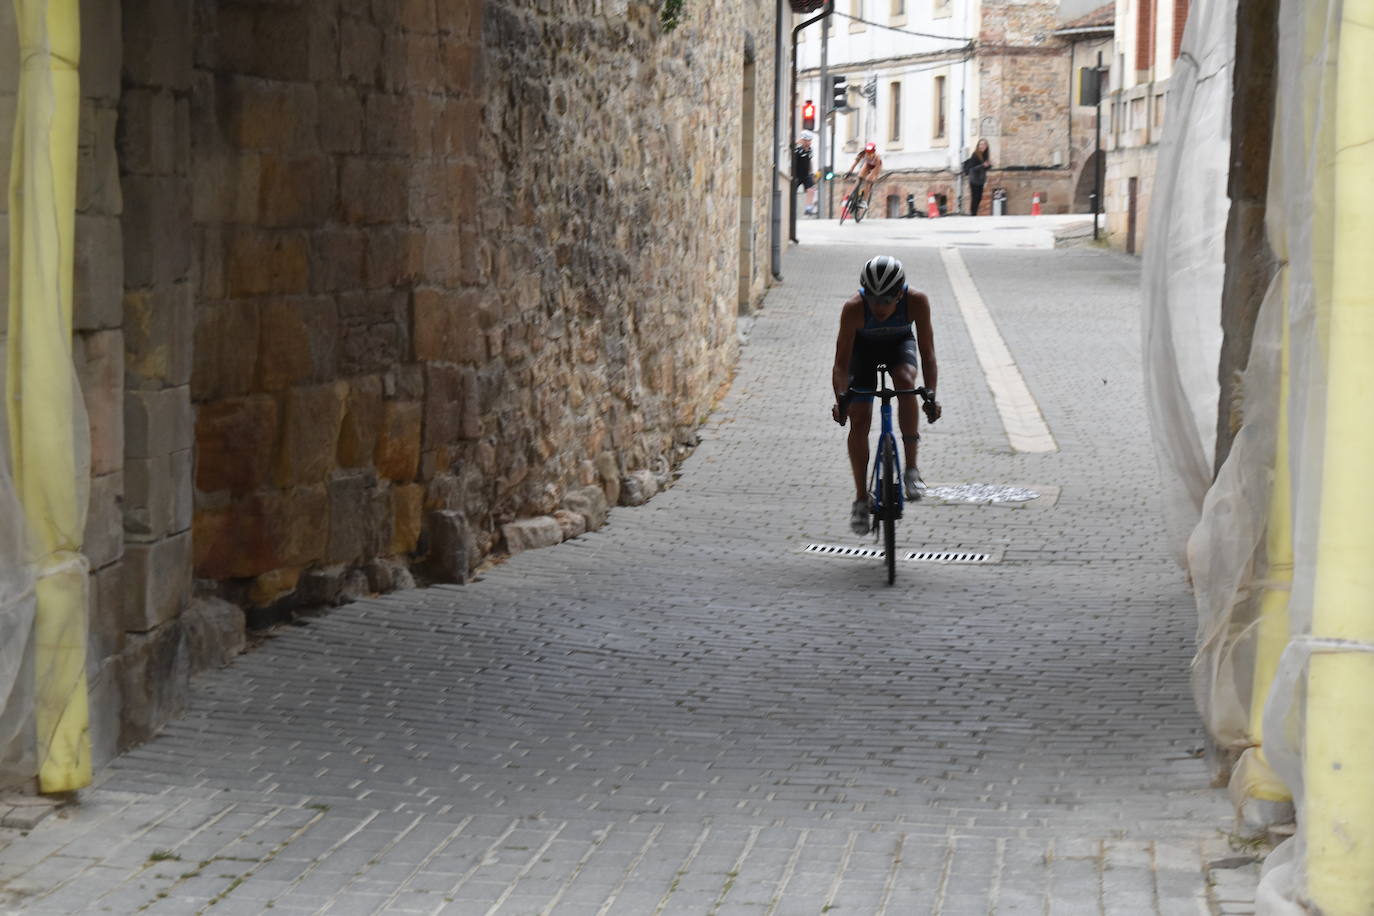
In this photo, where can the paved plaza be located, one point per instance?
(686, 712)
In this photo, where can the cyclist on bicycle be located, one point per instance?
(876, 327)
(870, 166)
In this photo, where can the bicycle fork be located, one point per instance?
(875, 490)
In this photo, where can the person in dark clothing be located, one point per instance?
(976, 168)
(876, 326)
(803, 172)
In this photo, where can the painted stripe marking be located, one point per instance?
(1021, 416)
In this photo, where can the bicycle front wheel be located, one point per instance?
(889, 493)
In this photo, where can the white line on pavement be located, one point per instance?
(1021, 417)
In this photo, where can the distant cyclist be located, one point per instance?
(876, 327)
(870, 166)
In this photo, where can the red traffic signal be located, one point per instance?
(809, 115)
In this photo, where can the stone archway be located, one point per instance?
(1083, 188)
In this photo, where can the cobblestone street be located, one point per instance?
(685, 712)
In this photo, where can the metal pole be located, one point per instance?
(775, 227)
(829, 168)
(822, 204)
(963, 116)
(963, 141)
(1097, 153)
(792, 118)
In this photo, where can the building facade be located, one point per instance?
(1090, 40)
(1148, 34)
(928, 80)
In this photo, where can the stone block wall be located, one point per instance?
(363, 286)
(1023, 83)
(1124, 164)
(455, 261)
(99, 354)
(1053, 185)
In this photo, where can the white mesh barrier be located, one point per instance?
(1185, 261)
(1237, 583)
(17, 600)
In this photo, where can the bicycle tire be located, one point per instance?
(859, 207)
(889, 498)
(844, 210)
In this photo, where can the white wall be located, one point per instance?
(861, 51)
(1073, 9)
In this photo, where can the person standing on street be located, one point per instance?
(803, 172)
(876, 328)
(976, 168)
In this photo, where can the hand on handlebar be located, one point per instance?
(840, 412)
(929, 404)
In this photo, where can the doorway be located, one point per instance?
(1132, 189)
(1087, 180)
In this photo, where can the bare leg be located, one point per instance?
(860, 417)
(908, 413)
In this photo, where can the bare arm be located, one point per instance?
(851, 319)
(925, 346)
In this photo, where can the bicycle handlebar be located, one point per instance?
(925, 393)
(927, 397)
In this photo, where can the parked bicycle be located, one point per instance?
(886, 499)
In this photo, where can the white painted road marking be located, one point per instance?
(1021, 416)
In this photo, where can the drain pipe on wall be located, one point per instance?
(46, 414)
(792, 112)
(775, 233)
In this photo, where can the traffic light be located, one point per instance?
(839, 93)
(808, 115)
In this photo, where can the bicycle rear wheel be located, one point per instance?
(860, 204)
(889, 521)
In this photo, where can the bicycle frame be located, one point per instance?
(887, 434)
(888, 476)
(857, 199)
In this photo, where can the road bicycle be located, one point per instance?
(855, 203)
(885, 495)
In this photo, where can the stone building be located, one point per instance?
(1090, 43)
(1147, 38)
(370, 291)
(941, 76)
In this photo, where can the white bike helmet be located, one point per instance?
(882, 276)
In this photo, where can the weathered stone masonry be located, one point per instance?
(364, 286)
(465, 259)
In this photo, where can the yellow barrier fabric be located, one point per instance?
(46, 423)
(1280, 555)
(1338, 823)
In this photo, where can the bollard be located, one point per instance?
(1035, 204)
(932, 208)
